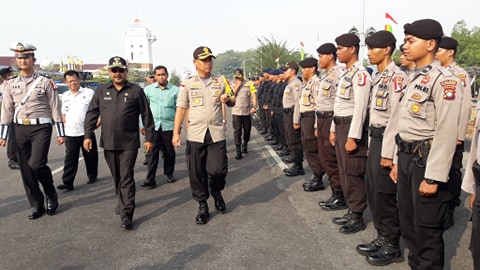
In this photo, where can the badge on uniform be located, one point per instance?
(397, 84)
(325, 92)
(416, 96)
(196, 101)
(362, 79)
(449, 89)
(415, 108)
(426, 79)
(379, 102)
(463, 78)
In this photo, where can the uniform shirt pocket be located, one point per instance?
(325, 88)
(418, 105)
(381, 100)
(345, 90)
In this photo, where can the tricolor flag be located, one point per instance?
(388, 22)
(302, 52)
(277, 60)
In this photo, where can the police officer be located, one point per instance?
(5, 74)
(120, 104)
(349, 132)
(245, 104)
(291, 119)
(381, 192)
(327, 54)
(203, 95)
(428, 112)
(406, 65)
(446, 55)
(282, 147)
(30, 101)
(308, 104)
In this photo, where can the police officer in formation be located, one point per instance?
(381, 192)
(277, 107)
(349, 132)
(5, 74)
(31, 102)
(429, 110)
(308, 104)
(203, 95)
(327, 55)
(245, 104)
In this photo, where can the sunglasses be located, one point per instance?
(115, 70)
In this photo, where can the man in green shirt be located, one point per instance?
(162, 97)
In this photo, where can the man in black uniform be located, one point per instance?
(30, 101)
(5, 74)
(119, 104)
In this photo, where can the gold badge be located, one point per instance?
(325, 92)
(415, 108)
(197, 101)
(342, 91)
(217, 92)
(379, 102)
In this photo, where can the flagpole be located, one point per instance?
(362, 32)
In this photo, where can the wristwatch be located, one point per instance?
(224, 121)
(431, 181)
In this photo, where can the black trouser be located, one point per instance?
(381, 191)
(310, 143)
(121, 164)
(421, 218)
(33, 144)
(207, 166)
(162, 141)
(241, 122)
(455, 175)
(278, 115)
(326, 152)
(268, 120)
(351, 168)
(294, 136)
(72, 152)
(11, 145)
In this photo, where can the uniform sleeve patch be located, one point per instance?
(397, 84)
(449, 89)
(362, 79)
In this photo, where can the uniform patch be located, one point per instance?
(416, 96)
(415, 108)
(362, 79)
(325, 92)
(196, 101)
(397, 84)
(463, 78)
(426, 79)
(379, 102)
(449, 89)
(217, 92)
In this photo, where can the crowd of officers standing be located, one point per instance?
(371, 133)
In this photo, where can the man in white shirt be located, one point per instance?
(74, 107)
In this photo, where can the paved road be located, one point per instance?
(271, 223)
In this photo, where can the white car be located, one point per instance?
(62, 88)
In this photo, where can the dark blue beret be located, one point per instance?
(381, 39)
(348, 40)
(448, 43)
(327, 48)
(308, 62)
(424, 29)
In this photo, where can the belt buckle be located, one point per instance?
(26, 122)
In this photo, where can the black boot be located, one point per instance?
(343, 219)
(239, 151)
(338, 203)
(244, 148)
(203, 215)
(296, 169)
(372, 247)
(315, 185)
(219, 201)
(387, 254)
(354, 224)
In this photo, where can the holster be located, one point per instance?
(423, 151)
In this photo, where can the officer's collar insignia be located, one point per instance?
(426, 69)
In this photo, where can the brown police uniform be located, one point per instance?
(241, 119)
(291, 116)
(206, 146)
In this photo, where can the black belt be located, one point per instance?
(408, 147)
(339, 120)
(326, 114)
(288, 110)
(376, 132)
(307, 114)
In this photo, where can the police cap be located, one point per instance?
(292, 65)
(22, 49)
(308, 62)
(238, 73)
(202, 53)
(348, 40)
(117, 62)
(327, 48)
(424, 29)
(381, 39)
(448, 43)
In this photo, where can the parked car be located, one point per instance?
(62, 88)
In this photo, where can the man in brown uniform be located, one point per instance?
(428, 112)
(446, 55)
(5, 74)
(381, 192)
(349, 132)
(327, 54)
(30, 101)
(308, 103)
(203, 95)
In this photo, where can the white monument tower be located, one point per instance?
(138, 45)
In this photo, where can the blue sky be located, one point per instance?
(94, 30)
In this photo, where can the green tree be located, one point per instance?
(269, 50)
(174, 78)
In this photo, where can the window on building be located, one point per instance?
(131, 56)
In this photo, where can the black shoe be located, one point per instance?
(67, 187)
(284, 153)
(354, 224)
(202, 217)
(219, 201)
(36, 212)
(273, 142)
(171, 179)
(239, 151)
(52, 204)
(263, 132)
(127, 224)
(343, 219)
(385, 256)
(91, 180)
(295, 171)
(149, 184)
(315, 185)
(328, 201)
(13, 165)
(244, 148)
(238, 155)
(372, 247)
(145, 162)
(278, 147)
(288, 159)
(338, 203)
(269, 138)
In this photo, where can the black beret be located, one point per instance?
(401, 47)
(291, 65)
(448, 43)
(348, 40)
(381, 39)
(424, 29)
(5, 71)
(308, 62)
(327, 48)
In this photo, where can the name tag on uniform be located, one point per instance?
(107, 98)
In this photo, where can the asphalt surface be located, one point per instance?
(270, 223)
